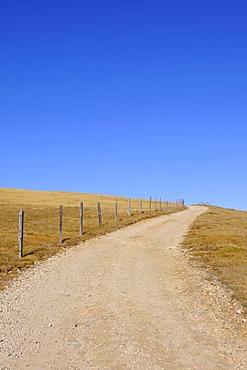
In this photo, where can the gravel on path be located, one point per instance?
(131, 299)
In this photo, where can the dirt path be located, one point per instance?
(128, 300)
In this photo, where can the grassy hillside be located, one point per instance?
(218, 239)
(41, 238)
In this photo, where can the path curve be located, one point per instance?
(128, 300)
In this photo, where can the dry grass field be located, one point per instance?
(41, 225)
(218, 240)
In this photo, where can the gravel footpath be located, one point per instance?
(128, 300)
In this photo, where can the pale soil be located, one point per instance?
(127, 300)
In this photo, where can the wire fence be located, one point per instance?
(43, 226)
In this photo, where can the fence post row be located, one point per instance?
(21, 233)
(81, 218)
(99, 214)
(167, 204)
(61, 225)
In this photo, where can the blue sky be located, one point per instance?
(132, 98)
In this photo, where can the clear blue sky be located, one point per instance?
(125, 97)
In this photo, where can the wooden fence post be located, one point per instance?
(150, 204)
(115, 212)
(81, 218)
(61, 225)
(160, 204)
(99, 214)
(21, 233)
(128, 209)
(141, 206)
(155, 203)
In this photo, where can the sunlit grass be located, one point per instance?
(218, 239)
(41, 225)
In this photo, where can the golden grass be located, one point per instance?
(218, 239)
(41, 227)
